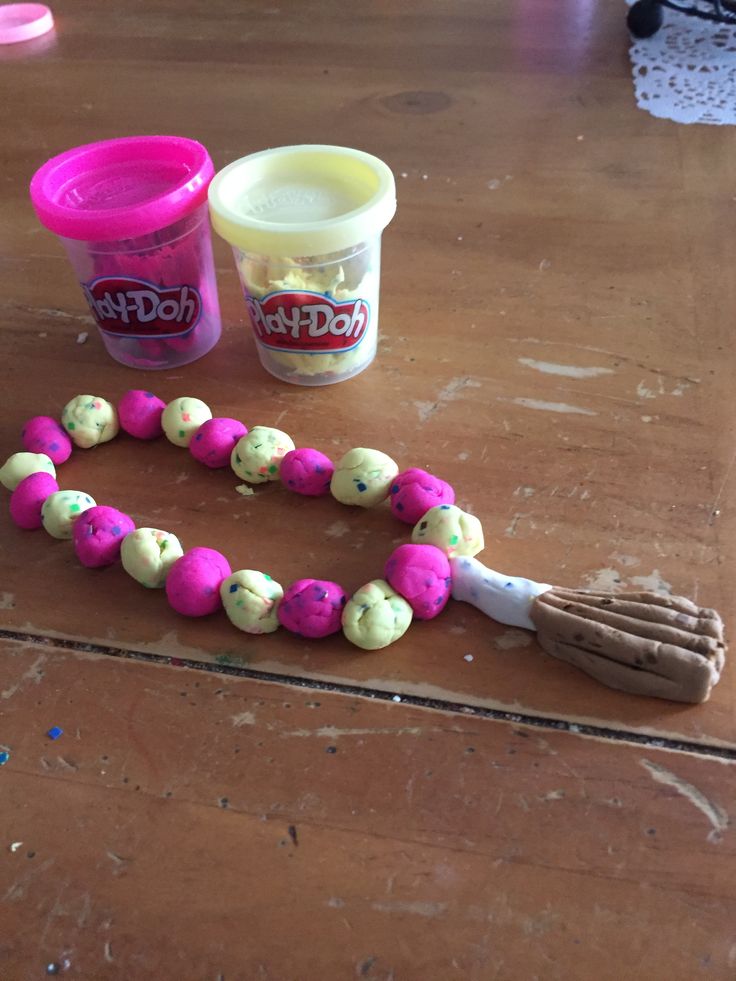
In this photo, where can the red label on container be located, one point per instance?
(308, 323)
(127, 307)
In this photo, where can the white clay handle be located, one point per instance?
(507, 599)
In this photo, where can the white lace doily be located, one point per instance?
(687, 71)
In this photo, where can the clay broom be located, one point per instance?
(640, 642)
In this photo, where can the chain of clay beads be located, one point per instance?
(200, 581)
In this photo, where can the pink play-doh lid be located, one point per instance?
(24, 21)
(123, 188)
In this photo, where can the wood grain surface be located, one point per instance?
(557, 341)
(302, 834)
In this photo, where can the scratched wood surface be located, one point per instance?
(556, 339)
(556, 327)
(310, 835)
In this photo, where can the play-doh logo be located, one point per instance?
(133, 308)
(308, 323)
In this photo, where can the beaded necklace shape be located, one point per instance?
(643, 643)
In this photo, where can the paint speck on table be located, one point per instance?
(604, 580)
(57, 967)
(543, 406)
(337, 529)
(564, 370)
(512, 639)
(654, 581)
(622, 559)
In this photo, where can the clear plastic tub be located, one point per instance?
(132, 216)
(305, 225)
(154, 297)
(315, 318)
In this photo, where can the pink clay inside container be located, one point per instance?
(132, 216)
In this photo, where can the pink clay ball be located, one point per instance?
(213, 442)
(140, 413)
(42, 434)
(27, 499)
(312, 607)
(194, 580)
(421, 574)
(307, 472)
(415, 491)
(98, 534)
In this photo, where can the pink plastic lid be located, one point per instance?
(23, 21)
(119, 189)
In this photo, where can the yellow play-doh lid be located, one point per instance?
(302, 200)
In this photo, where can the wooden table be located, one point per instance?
(557, 318)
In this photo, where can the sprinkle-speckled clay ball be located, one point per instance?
(140, 414)
(194, 580)
(257, 457)
(147, 555)
(421, 574)
(182, 418)
(89, 420)
(312, 607)
(450, 529)
(21, 465)
(61, 510)
(98, 535)
(415, 491)
(42, 434)
(375, 616)
(27, 499)
(251, 600)
(307, 471)
(363, 477)
(214, 441)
